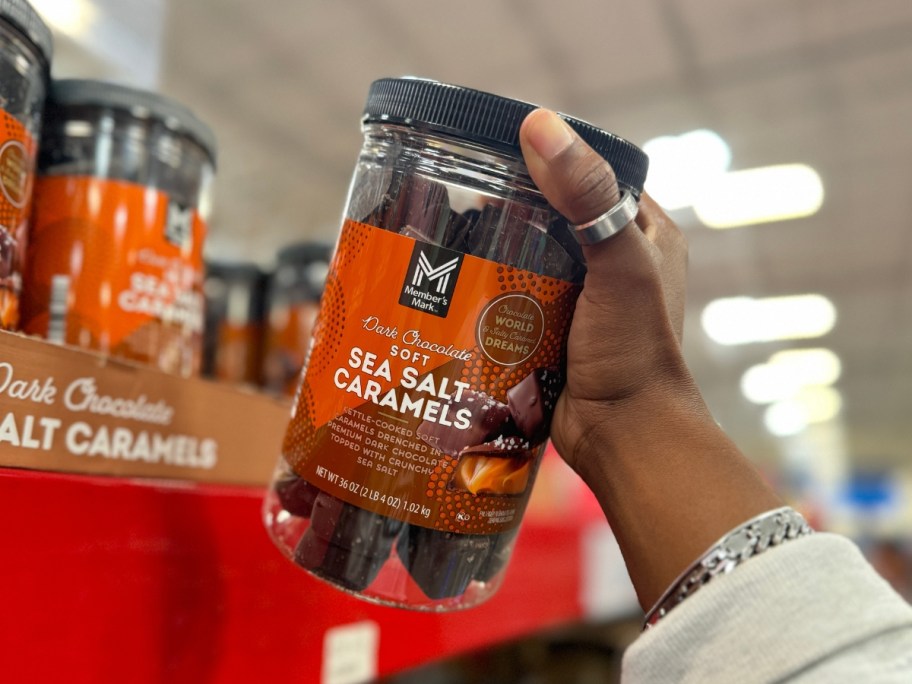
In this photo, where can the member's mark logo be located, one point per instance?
(441, 274)
(178, 224)
(431, 279)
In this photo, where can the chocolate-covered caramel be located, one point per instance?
(442, 563)
(532, 402)
(296, 494)
(346, 544)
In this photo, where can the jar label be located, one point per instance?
(430, 382)
(237, 354)
(116, 267)
(17, 171)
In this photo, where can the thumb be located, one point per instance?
(646, 265)
(582, 186)
(574, 178)
(621, 331)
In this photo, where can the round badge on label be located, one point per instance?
(510, 328)
(14, 172)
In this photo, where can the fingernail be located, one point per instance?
(549, 135)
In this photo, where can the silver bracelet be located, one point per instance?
(750, 539)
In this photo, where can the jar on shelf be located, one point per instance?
(234, 329)
(120, 214)
(294, 300)
(438, 354)
(26, 47)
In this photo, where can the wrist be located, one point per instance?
(635, 430)
(668, 479)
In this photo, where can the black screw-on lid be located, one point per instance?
(301, 253)
(141, 103)
(25, 19)
(489, 120)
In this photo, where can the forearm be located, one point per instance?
(670, 481)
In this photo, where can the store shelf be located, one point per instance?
(116, 580)
(66, 409)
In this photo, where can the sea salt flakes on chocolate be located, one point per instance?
(488, 418)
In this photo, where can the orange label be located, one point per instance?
(116, 267)
(237, 357)
(430, 384)
(17, 164)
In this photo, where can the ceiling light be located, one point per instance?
(811, 405)
(821, 404)
(743, 320)
(682, 167)
(761, 195)
(788, 372)
(74, 17)
(784, 419)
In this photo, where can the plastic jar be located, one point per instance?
(121, 206)
(294, 300)
(235, 313)
(438, 354)
(25, 56)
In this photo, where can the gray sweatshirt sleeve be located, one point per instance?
(812, 610)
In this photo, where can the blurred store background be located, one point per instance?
(780, 139)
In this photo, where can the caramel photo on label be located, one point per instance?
(17, 158)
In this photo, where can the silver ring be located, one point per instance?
(610, 223)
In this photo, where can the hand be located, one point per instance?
(631, 420)
(625, 341)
